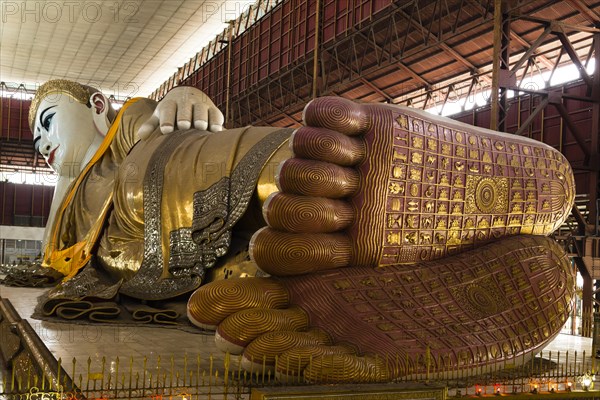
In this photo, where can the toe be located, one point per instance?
(212, 303)
(311, 214)
(291, 363)
(284, 253)
(337, 114)
(327, 145)
(338, 368)
(317, 178)
(237, 331)
(264, 351)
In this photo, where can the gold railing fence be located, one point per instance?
(199, 377)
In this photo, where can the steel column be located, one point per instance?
(587, 302)
(594, 161)
(315, 83)
(500, 66)
(228, 85)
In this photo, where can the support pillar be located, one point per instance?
(228, 84)
(574, 319)
(594, 161)
(316, 55)
(587, 309)
(596, 327)
(501, 66)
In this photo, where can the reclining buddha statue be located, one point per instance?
(357, 244)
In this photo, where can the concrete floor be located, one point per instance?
(88, 349)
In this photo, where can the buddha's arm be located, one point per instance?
(133, 118)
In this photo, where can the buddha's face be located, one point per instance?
(63, 132)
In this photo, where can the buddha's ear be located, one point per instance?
(100, 108)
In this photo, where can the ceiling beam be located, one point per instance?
(539, 57)
(590, 14)
(440, 43)
(517, 38)
(559, 25)
(397, 60)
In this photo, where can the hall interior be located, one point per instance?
(526, 67)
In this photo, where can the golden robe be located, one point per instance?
(158, 213)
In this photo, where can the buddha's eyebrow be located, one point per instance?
(42, 114)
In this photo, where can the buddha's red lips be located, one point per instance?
(51, 156)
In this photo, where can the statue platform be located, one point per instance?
(154, 362)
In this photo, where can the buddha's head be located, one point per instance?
(68, 121)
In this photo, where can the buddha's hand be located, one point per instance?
(181, 108)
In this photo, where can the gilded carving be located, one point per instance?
(486, 195)
(393, 238)
(398, 172)
(411, 238)
(396, 188)
(400, 156)
(444, 180)
(417, 126)
(367, 281)
(413, 206)
(425, 238)
(417, 142)
(402, 121)
(414, 189)
(483, 224)
(432, 144)
(417, 158)
(415, 174)
(498, 221)
(429, 208)
(394, 220)
(342, 284)
(412, 222)
(427, 221)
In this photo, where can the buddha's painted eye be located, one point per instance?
(47, 120)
